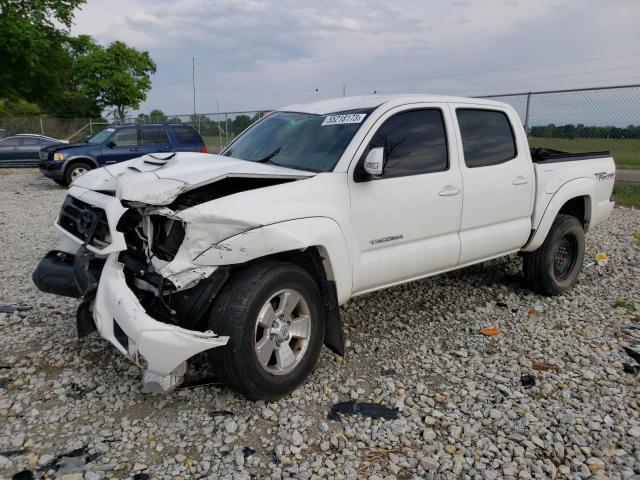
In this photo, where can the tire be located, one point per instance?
(75, 170)
(554, 267)
(60, 182)
(236, 312)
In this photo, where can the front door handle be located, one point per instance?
(449, 190)
(520, 180)
(134, 149)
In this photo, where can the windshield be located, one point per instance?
(298, 140)
(101, 136)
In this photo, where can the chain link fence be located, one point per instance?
(216, 129)
(583, 120)
(577, 120)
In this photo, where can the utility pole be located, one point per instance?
(193, 81)
(219, 126)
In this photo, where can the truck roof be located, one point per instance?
(343, 104)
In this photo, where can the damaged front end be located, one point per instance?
(131, 234)
(131, 268)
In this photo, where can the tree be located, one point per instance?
(240, 123)
(37, 54)
(157, 116)
(117, 76)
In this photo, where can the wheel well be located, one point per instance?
(311, 260)
(80, 160)
(577, 207)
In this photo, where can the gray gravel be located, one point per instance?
(464, 412)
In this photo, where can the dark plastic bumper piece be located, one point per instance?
(74, 276)
(54, 274)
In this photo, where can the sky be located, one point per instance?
(253, 55)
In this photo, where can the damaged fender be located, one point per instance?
(299, 234)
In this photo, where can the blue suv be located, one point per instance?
(64, 163)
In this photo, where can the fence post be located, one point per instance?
(41, 127)
(526, 115)
(90, 127)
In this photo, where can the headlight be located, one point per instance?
(58, 156)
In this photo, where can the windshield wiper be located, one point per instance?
(268, 158)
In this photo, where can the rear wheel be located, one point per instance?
(60, 182)
(554, 267)
(274, 317)
(76, 170)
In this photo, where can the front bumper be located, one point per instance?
(51, 169)
(158, 347)
(96, 275)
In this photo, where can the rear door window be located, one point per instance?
(10, 142)
(154, 135)
(187, 134)
(487, 137)
(126, 137)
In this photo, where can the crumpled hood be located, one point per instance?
(157, 179)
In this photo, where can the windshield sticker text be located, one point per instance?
(342, 119)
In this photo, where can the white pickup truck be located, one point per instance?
(248, 255)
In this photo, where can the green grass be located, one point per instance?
(636, 238)
(624, 303)
(627, 193)
(626, 152)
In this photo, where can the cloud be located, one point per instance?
(257, 54)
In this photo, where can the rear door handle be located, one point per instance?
(520, 180)
(134, 149)
(449, 190)
(165, 149)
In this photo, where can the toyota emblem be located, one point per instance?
(85, 221)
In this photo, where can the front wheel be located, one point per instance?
(274, 317)
(554, 267)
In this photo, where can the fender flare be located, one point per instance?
(76, 158)
(579, 187)
(298, 234)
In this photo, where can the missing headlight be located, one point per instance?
(168, 235)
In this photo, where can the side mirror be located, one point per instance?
(374, 163)
(111, 144)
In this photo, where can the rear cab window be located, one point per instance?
(187, 134)
(487, 137)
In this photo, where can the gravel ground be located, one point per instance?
(463, 410)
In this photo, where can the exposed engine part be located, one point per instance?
(222, 188)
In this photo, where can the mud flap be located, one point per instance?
(84, 317)
(333, 335)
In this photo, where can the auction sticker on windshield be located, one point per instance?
(342, 119)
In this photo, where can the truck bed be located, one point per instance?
(548, 155)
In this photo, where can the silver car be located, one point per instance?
(23, 149)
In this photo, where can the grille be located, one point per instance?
(69, 219)
(44, 155)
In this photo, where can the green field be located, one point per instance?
(627, 193)
(626, 152)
